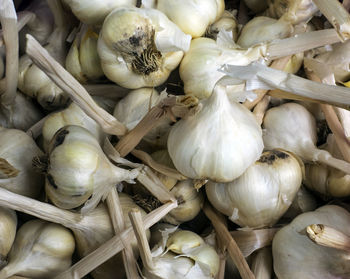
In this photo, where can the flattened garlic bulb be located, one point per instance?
(17, 150)
(263, 29)
(8, 226)
(82, 60)
(133, 107)
(193, 17)
(292, 127)
(41, 250)
(140, 47)
(262, 194)
(296, 256)
(222, 140)
(189, 200)
(199, 67)
(94, 12)
(77, 168)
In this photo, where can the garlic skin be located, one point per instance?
(94, 12)
(77, 168)
(222, 140)
(162, 157)
(296, 256)
(227, 22)
(193, 17)
(133, 107)
(200, 65)
(72, 115)
(8, 226)
(17, 150)
(263, 29)
(304, 201)
(190, 202)
(140, 47)
(82, 60)
(41, 250)
(262, 194)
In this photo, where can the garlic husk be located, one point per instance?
(262, 194)
(222, 140)
(296, 256)
(133, 107)
(256, 6)
(193, 17)
(22, 114)
(262, 29)
(8, 226)
(16, 171)
(72, 115)
(227, 22)
(140, 47)
(92, 12)
(40, 250)
(77, 168)
(199, 67)
(82, 60)
(162, 157)
(292, 127)
(190, 202)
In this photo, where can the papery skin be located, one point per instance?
(296, 256)
(221, 140)
(262, 194)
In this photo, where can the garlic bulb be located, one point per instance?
(77, 168)
(222, 140)
(189, 200)
(17, 150)
(40, 250)
(72, 115)
(140, 47)
(133, 107)
(94, 12)
(262, 194)
(227, 22)
(262, 29)
(82, 60)
(198, 260)
(199, 67)
(8, 226)
(296, 256)
(162, 157)
(304, 201)
(257, 6)
(193, 17)
(292, 127)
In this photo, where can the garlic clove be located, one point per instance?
(222, 140)
(262, 194)
(181, 241)
(8, 226)
(40, 250)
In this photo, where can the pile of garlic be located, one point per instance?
(119, 115)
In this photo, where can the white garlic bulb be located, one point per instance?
(189, 200)
(133, 107)
(140, 47)
(41, 250)
(296, 256)
(82, 60)
(222, 140)
(17, 150)
(263, 29)
(262, 194)
(193, 17)
(94, 12)
(292, 127)
(200, 65)
(8, 226)
(77, 168)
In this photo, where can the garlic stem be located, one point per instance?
(72, 87)
(326, 158)
(113, 246)
(261, 108)
(8, 19)
(328, 236)
(336, 14)
(233, 250)
(139, 230)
